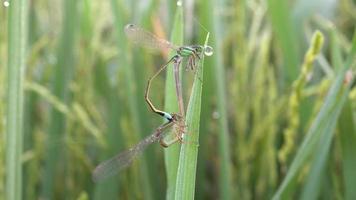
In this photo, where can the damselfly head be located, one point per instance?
(129, 30)
(130, 26)
(207, 50)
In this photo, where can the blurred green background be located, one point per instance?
(278, 110)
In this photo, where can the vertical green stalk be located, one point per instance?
(206, 107)
(171, 154)
(286, 35)
(224, 146)
(141, 63)
(348, 147)
(109, 189)
(119, 13)
(60, 84)
(14, 138)
(186, 175)
(214, 23)
(219, 76)
(347, 129)
(114, 137)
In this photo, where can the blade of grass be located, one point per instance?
(185, 186)
(113, 136)
(315, 179)
(120, 14)
(109, 189)
(61, 78)
(215, 24)
(132, 95)
(347, 129)
(16, 57)
(141, 65)
(285, 34)
(207, 101)
(29, 109)
(171, 154)
(336, 57)
(322, 127)
(348, 148)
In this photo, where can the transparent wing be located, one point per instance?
(142, 37)
(112, 166)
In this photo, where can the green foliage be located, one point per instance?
(171, 155)
(262, 120)
(296, 96)
(15, 97)
(185, 188)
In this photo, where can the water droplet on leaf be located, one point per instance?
(208, 50)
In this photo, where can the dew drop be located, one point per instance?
(6, 3)
(179, 3)
(208, 50)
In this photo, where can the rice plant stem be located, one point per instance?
(171, 154)
(14, 137)
(186, 175)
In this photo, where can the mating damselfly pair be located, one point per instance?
(193, 53)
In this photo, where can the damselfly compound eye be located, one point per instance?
(208, 50)
(130, 26)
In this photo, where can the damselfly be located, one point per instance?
(124, 159)
(193, 52)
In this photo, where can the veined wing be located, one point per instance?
(142, 37)
(121, 161)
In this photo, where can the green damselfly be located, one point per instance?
(193, 53)
(138, 35)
